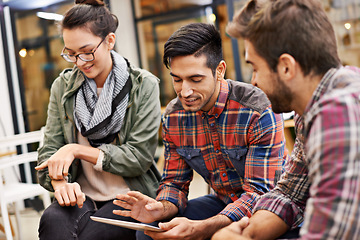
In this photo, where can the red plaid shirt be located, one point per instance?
(236, 147)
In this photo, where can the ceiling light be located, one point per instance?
(50, 16)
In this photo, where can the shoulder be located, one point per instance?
(248, 96)
(66, 79)
(142, 76)
(173, 106)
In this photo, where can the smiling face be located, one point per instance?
(194, 83)
(270, 82)
(81, 40)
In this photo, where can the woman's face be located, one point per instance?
(82, 40)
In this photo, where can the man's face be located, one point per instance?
(194, 83)
(270, 82)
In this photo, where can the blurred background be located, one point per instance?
(30, 47)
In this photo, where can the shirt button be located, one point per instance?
(211, 124)
(232, 195)
(217, 151)
(224, 174)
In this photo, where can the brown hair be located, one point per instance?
(92, 14)
(297, 27)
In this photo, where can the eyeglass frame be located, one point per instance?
(66, 56)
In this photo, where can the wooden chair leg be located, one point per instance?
(11, 226)
(2, 228)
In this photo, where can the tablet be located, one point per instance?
(126, 224)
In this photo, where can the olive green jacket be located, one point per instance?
(131, 155)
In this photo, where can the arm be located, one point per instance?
(177, 174)
(333, 145)
(58, 164)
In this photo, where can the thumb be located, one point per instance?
(244, 222)
(166, 226)
(156, 206)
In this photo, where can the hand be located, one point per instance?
(59, 163)
(140, 207)
(68, 194)
(180, 228)
(233, 231)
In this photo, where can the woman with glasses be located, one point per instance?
(101, 132)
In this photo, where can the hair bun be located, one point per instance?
(91, 2)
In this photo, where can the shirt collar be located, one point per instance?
(220, 103)
(321, 88)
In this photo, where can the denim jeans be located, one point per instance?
(60, 223)
(197, 209)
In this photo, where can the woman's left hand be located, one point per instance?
(59, 163)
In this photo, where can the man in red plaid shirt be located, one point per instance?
(225, 130)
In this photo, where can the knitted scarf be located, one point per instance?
(99, 118)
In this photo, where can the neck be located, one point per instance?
(101, 78)
(304, 92)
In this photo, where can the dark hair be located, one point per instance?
(197, 39)
(297, 27)
(92, 14)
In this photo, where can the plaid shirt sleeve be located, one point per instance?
(265, 156)
(177, 174)
(292, 187)
(332, 210)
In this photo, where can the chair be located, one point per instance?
(14, 191)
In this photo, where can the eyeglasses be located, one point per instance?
(86, 57)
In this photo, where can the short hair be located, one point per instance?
(300, 28)
(91, 14)
(195, 39)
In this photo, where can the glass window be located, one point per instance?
(39, 45)
(156, 7)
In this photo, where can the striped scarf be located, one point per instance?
(99, 118)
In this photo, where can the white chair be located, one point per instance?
(13, 191)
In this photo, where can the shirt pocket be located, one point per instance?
(195, 160)
(238, 157)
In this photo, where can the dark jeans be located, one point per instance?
(74, 223)
(197, 209)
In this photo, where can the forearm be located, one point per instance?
(58, 183)
(170, 210)
(265, 225)
(86, 153)
(211, 225)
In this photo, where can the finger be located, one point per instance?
(65, 170)
(138, 195)
(127, 198)
(72, 196)
(42, 166)
(169, 225)
(59, 198)
(122, 204)
(59, 171)
(124, 213)
(65, 196)
(244, 222)
(80, 196)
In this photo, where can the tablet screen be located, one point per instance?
(126, 224)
